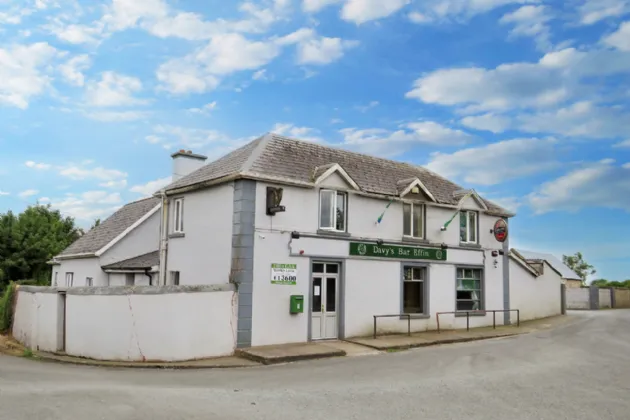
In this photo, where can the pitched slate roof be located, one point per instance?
(136, 263)
(554, 262)
(280, 158)
(111, 227)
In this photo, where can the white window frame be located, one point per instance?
(460, 273)
(475, 231)
(333, 213)
(422, 208)
(178, 215)
(69, 279)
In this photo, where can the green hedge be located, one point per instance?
(6, 308)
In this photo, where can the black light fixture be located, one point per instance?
(379, 242)
(444, 246)
(501, 252)
(495, 253)
(295, 235)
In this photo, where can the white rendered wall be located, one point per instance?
(203, 255)
(82, 268)
(143, 239)
(123, 327)
(37, 323)
(578, 298)
(604, 299)
(535, 297)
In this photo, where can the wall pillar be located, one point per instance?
(563, 299)
(506, 280)
(593, 292)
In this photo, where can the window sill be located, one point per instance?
(463, 314)
(416, 316)
(325, 232)
(177, 235)
(469, 245)
(412, 240)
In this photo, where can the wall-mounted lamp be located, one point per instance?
(444, 246)
(295, 235)
(501, 252)
(379, 242)
(495, 253)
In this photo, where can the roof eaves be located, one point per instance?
(523, 263)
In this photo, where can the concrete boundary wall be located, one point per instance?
(594, 298)
(172, 323)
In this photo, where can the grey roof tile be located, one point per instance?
(136, 263)
(111, 227)
(295, 160)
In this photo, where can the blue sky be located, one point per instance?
(527, 101)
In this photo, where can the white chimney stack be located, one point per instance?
(185, 162)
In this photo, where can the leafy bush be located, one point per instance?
(6, 308)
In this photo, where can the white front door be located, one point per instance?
(325, 283)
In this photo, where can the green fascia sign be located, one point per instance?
(367, 249)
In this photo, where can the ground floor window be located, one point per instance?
(414, 290)
(130, 279)
(469, 289)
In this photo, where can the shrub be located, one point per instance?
(6, 308)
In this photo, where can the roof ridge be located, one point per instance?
(255, 154)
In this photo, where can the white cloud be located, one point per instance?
(116, 116)
(315, 49)
(72, 70)
(114, 184)
(206, 109)
(384, 142)
(181, 76)
(624, 143)
(193, 138)
(556, 78)
(530, 21)
(23, 72)
(114, 90)
(456, 10)
(365, 108)
(260, 75)
(496, 162)
(81, 172)
(28, 193)
(509, 203)
(4, 193)
(489, 122)
(44, 200)
(76, 33)
(599, 184)
(581, 119)
(336, 121)
(302, 133)
(313, 6)
(592, 11)
(361, 11)
(89, 205)
(35, 165)
(151, 187)
(621, 38)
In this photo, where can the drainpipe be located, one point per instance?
(163, 240)
(146, 273)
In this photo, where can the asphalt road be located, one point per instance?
(577, 371)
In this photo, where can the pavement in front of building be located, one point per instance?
(579, 370)
(285, 353)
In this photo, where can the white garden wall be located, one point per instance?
(130, 324)
(38, 319)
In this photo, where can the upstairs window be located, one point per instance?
(413, 220)
(332, 210)
(69, 279)
(178, 215)
(89, 282)
(468, 227)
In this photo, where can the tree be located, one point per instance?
(96, 223)
(600, 283)
(28, 241)
(576, 263)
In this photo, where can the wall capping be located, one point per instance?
(129, 290)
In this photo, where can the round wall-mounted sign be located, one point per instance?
(500, 230)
